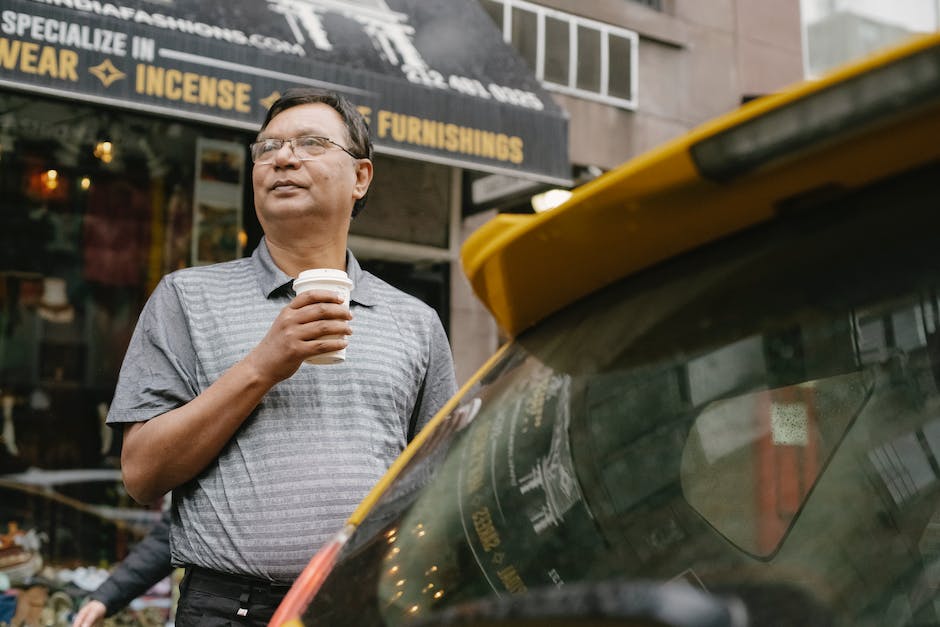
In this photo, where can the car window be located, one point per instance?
(762, 412)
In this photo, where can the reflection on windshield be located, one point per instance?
(514, 477)
(746, 418)
(751, 460)
(697, 469)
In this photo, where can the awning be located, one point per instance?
(433, 77)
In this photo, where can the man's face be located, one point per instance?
(325, 187)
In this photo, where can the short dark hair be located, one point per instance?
(360, 141)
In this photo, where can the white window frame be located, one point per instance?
(575, 21)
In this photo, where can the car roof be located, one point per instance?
(812, 141)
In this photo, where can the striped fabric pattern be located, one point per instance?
(318, 441)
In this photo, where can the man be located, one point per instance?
(267, 456)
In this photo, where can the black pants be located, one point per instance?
(211, 599)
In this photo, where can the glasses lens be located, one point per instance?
(310, 146)
(305, 148)
(263, 152)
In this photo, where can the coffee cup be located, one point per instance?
(334, 281)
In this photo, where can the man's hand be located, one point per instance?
(91, 614)
(170, 449)
(299, 332)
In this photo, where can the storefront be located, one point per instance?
(123, 143)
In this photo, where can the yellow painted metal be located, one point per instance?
(657, 206)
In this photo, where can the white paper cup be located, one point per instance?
(333, 281)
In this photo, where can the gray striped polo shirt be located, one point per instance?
(317, 442)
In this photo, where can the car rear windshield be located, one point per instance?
(762, 414)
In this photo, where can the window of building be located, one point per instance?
(653, 4)
(572, 54)
(558, 55)
(525, 38)
(589, 59)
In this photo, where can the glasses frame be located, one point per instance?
(290, 141)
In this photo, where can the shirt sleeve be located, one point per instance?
(146, 564)
(440, 381)
(159, 369)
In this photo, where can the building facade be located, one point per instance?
(839, 31)
(124, 128)
(631, 74)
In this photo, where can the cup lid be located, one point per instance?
(324, 274)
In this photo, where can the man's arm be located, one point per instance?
(146, 564)
(173, 447)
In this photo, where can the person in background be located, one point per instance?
(267, 456)
(146, 564)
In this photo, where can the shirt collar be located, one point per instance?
(274, 281)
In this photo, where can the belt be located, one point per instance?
(234, 586)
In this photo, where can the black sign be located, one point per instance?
(433, 77)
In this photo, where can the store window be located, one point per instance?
(408, 203)
(97, 206)
(572, 54)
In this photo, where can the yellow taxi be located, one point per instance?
(723, 378)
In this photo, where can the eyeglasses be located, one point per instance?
(305, 148)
